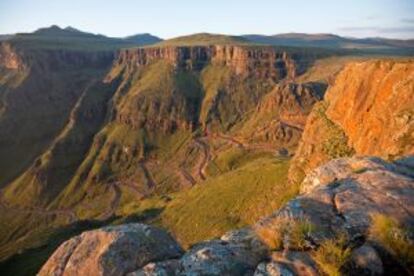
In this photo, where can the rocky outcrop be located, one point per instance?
(342, 195)
(367, 111)
(114, 250)
(338, 198)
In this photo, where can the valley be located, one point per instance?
(199, 135)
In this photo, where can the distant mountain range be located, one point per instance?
(286, 39)
(329, 41)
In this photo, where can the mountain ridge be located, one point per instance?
(326, 40)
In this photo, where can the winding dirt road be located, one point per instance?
(202, 166)
(148, 177)
(72, 217)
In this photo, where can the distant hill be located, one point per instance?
(328, 41)
(70, 38)
(202, 39)
(143, 39)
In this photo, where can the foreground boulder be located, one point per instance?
(338, 201)
(342, 195)
(113, 250)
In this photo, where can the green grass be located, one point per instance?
(231, 200)
(203, 39)
(222, 203)
(233, 158)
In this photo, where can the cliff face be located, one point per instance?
(373, 102)
(233, 78)
(243, 60)
(214, 86)
(15, 57)
(39, 90)
(367, 111)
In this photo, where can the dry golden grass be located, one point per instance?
(287, 232)
(389, 234)
(332, 255)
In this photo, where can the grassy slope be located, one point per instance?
(249, 190)
(236, 198)
(228, 201)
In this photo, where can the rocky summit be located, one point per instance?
(339, 200)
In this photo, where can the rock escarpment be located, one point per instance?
(339, 198)
(243, 60)
(216, 76)
(367, 111)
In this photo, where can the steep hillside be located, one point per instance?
(165, 95)
(367, 111)
(31, 82)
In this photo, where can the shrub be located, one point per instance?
(272, 237)
(292, 231)
(390, 235)
(336, 143)
(332, 255)
(299, 230)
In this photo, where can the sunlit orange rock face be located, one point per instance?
(372, 104)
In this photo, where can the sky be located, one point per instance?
(171, 18)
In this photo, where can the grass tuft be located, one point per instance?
(286, 232)
(332, 255)
(395, 239)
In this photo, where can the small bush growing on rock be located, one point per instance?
(386, 232)
(292, 231)
(332, 255)
(299, 230)
(336, 142)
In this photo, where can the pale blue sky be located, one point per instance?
(169, 18)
